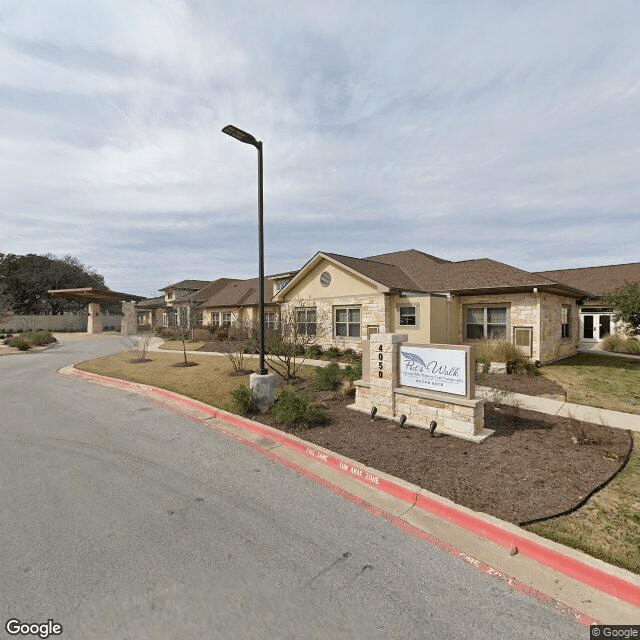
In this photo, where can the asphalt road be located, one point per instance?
(122, 520)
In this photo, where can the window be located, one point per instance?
(215, 319)
(486, 323)
(169, 319)
(184, 317)
(565, 328)
(226, 319)
(347, 322)
(407, 316)
(270, 320)
(199, 318)
(306, 321)
(280, 284)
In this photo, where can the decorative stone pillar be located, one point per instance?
(129, 326)
(94, 321)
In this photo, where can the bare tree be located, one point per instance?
(138, 346)
(240, 341)
(286, 344)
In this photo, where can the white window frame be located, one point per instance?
(215, 319)
(414, 315)
(227, 318)
(348, 322)
(485, 324)
(302, 328)
(565, 322)
(270, 320)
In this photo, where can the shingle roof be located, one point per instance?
(203, 294)
(240, 293)
(596, 280)
(151, 303)
(192, 285)
(413, 270)
(386, 274)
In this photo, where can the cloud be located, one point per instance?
(462, 129)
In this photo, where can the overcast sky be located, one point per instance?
(508, 130)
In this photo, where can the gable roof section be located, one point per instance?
(413, 270)
(203, 294)
(192, 285)
(481, 274)
(239, 293)
(386, 274)
(596, 280)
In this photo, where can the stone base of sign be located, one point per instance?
(455, 415)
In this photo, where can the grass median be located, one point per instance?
(607, 527)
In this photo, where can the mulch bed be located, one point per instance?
(529, 469)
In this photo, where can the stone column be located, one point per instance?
(94, 321)
(129, 326)
(383, 373)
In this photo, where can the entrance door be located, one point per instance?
(594, 326)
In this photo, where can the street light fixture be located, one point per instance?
(247, 138)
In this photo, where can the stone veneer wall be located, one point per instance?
(543, 312)
(553, 346)
(373, 311)
(524, 311)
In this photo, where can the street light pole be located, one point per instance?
(263, 370)
(247, 138)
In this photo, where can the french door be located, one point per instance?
(595, 326)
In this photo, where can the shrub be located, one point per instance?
(353, 372)
(498, 351)
(297, 407)
(314, 351)
(222, 332)
(484, 362)
(243, 400)
(38, 338)
(618, 344)
(632, 345)
(333, 352)
(19, 343)
(351, 356)
(612, 342)
(327, 378)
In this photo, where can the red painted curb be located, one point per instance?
(555, 560)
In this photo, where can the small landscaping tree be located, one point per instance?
(239, 341)
(625, 302)
(138, 347)
(183, 333)
(287, 344)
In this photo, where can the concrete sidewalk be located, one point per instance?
(618, 419)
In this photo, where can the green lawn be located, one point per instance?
(608, 526)
(209, 382)
(598, 381)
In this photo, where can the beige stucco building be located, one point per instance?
(345, 300)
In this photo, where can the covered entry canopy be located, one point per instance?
(96, 296)
(89, 294)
